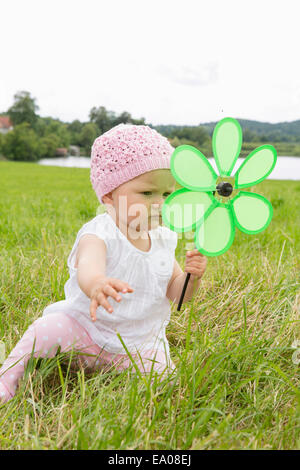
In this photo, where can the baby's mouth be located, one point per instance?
(155, 219)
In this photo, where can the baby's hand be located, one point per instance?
(195, 264)
(107, 286)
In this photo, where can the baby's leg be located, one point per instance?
(157, 360)
(49, 333)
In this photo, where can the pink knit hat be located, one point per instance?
(124, 152)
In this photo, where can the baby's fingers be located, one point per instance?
(93, 308)
(108, 290)
(100, 299)
(121, 286)
(104, 302)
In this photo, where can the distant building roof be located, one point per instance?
(5, 122)
(61, 151)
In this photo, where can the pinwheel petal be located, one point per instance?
(256, 167)
(192, 169)
(184, 208)
(252, 212)
(216, 234)
(226, 143)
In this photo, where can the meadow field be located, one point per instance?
(236, 344)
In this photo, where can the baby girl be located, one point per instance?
(125, 250)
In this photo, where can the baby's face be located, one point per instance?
(138, 202)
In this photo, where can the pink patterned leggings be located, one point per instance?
(60, 330)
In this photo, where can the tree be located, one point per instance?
(141, 121)
(87, 136)
(102, 118)
(46, 126)
(24, 109)
(249, 136)
(60, 129)
(193, 133)
(74, 128)
(48, 146)
(126, 118)
(123, 118)
(21, 144)
(105, 120)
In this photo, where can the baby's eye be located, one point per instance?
(147, 193)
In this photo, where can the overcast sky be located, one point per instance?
(171, 62)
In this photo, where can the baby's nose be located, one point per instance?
(157, 207)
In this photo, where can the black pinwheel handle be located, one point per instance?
(183, 290)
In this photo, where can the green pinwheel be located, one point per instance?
(211, 205)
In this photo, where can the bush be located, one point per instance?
(21, 144)
(48, 146)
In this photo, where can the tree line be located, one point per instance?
(34, 137)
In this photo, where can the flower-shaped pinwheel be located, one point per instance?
(212, 205)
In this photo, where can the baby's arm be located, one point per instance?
(174, 290)
(90, 262)
(91, 277)
(196, 268)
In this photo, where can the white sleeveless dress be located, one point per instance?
(140, 317)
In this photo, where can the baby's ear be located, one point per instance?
(107, 198)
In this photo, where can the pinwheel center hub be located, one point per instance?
(224, 188)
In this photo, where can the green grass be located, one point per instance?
(237, 386)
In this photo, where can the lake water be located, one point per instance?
(286, 168)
